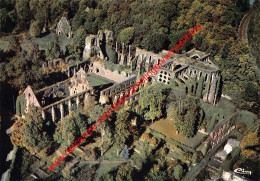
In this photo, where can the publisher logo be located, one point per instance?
(242, 171)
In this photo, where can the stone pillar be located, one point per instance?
(77, 101)
(61, 110)
(69, 72)
(121, 95)
(116, 46)
(69, 105)
(123, 48)
(116, 97)
(212, 89)
(43, 115)
(129, 55)
(53, 113)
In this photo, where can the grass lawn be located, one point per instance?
(96, 80)
(165, 127)
(111, 156)
(224, 107)
(106, 168)
(4, 44)
(43, 41)
(247, 117)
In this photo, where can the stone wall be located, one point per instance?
(74, 68)
(60, 109)
(220, 132)
(119, 88)
(99, 69)
(30, 98)
(64, 28)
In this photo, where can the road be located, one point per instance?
(191, 175)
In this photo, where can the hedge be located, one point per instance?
(20, 105)
(212, 122)
(171, 141)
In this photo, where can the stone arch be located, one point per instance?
(206, 77)
(177, 67)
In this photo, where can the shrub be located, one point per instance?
(212, 122)
(199, 87)
(241, 127)
(112, 55)
(145, 136)
(153, 141)
(178, 172)
(186, 157)
(195, 158)
(227, 164)
(124, 153)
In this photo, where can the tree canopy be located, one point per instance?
(70, 128)
(186, 116)
(153, 100)
(31, 133)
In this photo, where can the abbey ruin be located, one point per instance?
(90, 77)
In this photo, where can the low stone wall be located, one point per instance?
(99, 69)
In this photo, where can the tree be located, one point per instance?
(53, 49)
(124, 153)
(4, 20)
(122, 133)
(71, 127)
(250, 146)
(23, 10)
(89, 103)
(31, 133)
(153, 100)
(126, 35)
(150, 38)
(159, 175)
(178, 172)
(213, 122)
(17, 136)
(78, 42)
(105, 127)
(187, 116)
(125, 172)
(35, 29)
(112, 55)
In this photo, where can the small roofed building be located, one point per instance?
(231, 144)
(63, 28)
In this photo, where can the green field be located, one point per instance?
(42, 42)
(224, 107)
(96, 80)
(4, 44)
(166, 127)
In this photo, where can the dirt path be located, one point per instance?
(106, 161)
(242, 30)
